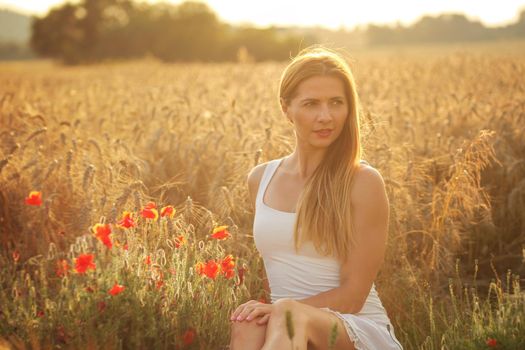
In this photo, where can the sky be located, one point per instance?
(329, 13)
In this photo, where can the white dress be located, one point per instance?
(298, 276)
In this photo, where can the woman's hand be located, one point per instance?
(252, 309)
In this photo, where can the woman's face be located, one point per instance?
(318, 110)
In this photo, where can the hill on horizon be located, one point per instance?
(15, 27)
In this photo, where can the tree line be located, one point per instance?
(95, 30)
(443, 28)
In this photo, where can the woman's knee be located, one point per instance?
(285, 304)
(247, 333)
(282, 306)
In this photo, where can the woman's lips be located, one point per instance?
(323, 132)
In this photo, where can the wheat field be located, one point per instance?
(443, 124)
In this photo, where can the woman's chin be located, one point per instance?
(321, 144)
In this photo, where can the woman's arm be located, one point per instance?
(253, 180)
(370, 215)
(266, 285)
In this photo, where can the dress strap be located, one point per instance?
(269, 170)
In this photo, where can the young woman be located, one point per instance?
(321, 221)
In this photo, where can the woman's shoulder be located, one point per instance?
(367, 180)
(367, 173)
(255, 175)
(257, 171)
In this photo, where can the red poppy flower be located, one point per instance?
(62, 268)
(229, 273)
(150, 205)
(127, 220)
(211, 269)
(147, 260)
(228, 263)
(102, 232)
(220, 232)
(227, 266)
(492, 343)
(40, 313)
(16, 256)
(188, 336)
(116, 289)
(84, 262)
(179, 240)
(168, 211)
(159, 284)
(149, 211)
(34, 198)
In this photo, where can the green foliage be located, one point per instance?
(107, 29)
(333, 337)
(465, 318)
(76, 309)
(448, 28)
(59, 34)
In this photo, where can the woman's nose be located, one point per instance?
(324, 112)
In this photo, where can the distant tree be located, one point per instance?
(446, 27)
(102, 19)
(91, 25)
(59, 34)
(125, 30)
(94, 30)
(442, 28)
(75, 33)
(191, 32)
(264, 44)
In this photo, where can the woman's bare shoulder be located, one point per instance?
(367, 181)
(254, 177)
(256, 173)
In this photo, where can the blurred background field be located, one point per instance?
(442, 122)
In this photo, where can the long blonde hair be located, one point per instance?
(323, 210)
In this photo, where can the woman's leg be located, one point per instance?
(277, 332)
(247, 335)
(312, 328)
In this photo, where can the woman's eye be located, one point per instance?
(313, 103)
